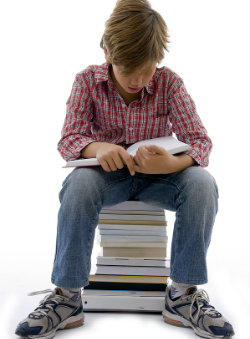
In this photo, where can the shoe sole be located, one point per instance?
(179, 321)
(69, 323)
(174, 319)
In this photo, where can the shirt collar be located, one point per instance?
(102, 74)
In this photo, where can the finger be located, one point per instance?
(118, 161)
(105, 165)
(150, 149)
(139, 158)
(112, 164)
(128, 160)
(142, 151)
(155, 149)
(138, 169)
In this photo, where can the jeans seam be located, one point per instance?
(112, 184)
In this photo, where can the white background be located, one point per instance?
(43, 45)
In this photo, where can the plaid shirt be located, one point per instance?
(97, 112)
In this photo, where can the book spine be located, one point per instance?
(132, 244)
(125, 286)
(134, 222)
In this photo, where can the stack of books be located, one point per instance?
(133, 270)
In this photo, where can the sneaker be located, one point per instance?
(55, 312)
(193, 310)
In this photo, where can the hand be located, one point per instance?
(152, 159)
(113, 157)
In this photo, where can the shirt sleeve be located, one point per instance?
(76, 133)
(186, 123)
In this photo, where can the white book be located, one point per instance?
(131, 238)
(105, 216)
(118, 212)
(133, 270)
(126, 261)
(132, 227)
(124, 293)
(133, 244)
(171, 144)
(139, 252)
(132, 222)
(132, 232)
(133, 205)
(127, 303)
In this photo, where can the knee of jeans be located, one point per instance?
(202, 185)
(80, 185)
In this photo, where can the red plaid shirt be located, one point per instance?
(97, 112)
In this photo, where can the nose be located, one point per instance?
(137, 82)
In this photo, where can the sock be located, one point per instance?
(72, 293)
(178, 289)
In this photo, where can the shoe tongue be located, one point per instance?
(191, 290)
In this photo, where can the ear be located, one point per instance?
(106, 54)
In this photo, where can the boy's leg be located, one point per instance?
(85, 191)
(193, 194)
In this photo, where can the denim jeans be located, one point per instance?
(191, 193)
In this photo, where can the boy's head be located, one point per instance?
(135, 35)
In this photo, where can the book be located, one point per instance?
(125, 303)
(127, 286)
(124, 292)
(130, 212)
(132, 222)
(131, 238)
(132, 227)
(129, 278)
(171, 144)
(133, 270)
(147, 217)
(156, 262)
(132, 232)
(133, 205)
(153, 252)
(144, 244)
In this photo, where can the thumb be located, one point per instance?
(155, 149)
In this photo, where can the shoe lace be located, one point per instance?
(47, 303)
(201, 299)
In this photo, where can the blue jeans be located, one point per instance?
(191, 193)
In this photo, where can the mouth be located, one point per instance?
(134, 89)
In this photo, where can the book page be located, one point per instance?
(171, 144)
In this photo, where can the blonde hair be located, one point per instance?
(134, 35)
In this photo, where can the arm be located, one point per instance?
(76, 132)
(186, 123)
(187, 126)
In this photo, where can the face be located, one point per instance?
(134, 82)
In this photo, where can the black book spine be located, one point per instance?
(99, 285)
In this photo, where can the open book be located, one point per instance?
(171, 144)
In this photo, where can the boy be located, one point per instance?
(111, 106)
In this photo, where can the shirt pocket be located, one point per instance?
(157, 121)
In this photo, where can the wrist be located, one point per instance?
(183, 161)
(91, 149)
(179, 163)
